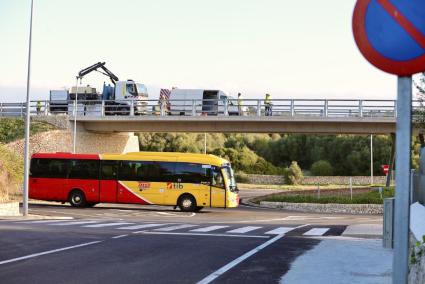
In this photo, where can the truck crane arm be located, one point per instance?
(95, 67)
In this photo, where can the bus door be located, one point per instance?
(108, 181)
(217, 189)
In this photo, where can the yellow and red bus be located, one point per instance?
(189, 181)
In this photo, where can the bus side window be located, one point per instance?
(84, 169)
(192, 173)
(109, 170)
(58, 168)
(217, 178)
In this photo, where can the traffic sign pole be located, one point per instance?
(27, 125)
(402, 192)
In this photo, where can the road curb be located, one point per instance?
(9, 209)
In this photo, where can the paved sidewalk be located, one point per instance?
(343, 260)
(373, 231)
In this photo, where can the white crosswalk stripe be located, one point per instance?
(42, 221)
(316, 232)
(144, 226)
(73, 223)
(199, 229)
(280, 230)
(244, 230)
(107, 225)
(177, 227)
(208, 229)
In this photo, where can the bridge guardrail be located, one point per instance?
(231, 107)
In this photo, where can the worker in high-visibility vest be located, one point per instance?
(268, 105)
(240, 103)
(38, 107)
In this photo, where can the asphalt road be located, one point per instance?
(149, 244)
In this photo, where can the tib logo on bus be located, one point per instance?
(174, 185)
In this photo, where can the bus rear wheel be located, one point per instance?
(77, 198)
(187, 203)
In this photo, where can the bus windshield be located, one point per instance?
(229, 175)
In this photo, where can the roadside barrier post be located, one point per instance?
(258, 107)
(351, 188)
(318, 191)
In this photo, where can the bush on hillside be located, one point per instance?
(14, 128)
(293, 174)
(322, 168)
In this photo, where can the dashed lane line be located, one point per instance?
(48, 252)
(120, 236)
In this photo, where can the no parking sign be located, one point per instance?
(391, 34)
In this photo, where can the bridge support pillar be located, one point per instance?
(97, 143)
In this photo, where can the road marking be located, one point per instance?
(74, 223)
(42, 221)
(136, 227)
(120, 236)
(47, 252)
(316, 232)
(244, 230)
(238, 260)
(209, 229)
(107, 225)
(200, 234)
(50, 211)
(173, 228)
(280, 230)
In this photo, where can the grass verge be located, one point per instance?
(293, 187)
(372, 197)
(11, 175)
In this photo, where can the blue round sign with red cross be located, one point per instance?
(391, 34)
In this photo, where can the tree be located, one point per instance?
(322, 168)
(293, 174)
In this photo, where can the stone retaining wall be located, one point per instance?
(322, 180)
(366, 209)
(9, 209)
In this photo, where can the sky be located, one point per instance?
(290, 49)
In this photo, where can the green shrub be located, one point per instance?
(322, 168)
(293, 174)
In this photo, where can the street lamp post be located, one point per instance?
(27, 124)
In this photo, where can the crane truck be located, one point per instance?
(118, 97)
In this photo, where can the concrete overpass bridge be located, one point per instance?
(94, 118)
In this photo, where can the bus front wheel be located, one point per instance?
(187, 203)
(77, 198)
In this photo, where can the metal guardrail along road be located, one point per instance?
(249, 107)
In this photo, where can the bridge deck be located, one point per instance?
(318, 125)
